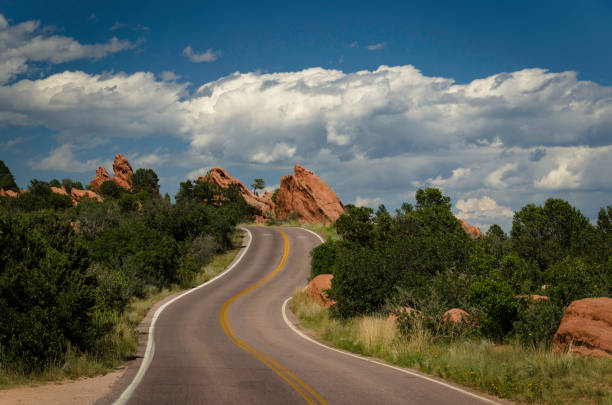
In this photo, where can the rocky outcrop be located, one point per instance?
(263, 206)
(302, 193)
(308, 196)
(586, 328)
(122, 174)
(101, 177)
(8, 193)
(473, 231)
(59, 190)
(78, 195)
(316, 289)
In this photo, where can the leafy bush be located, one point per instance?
(323, 259)
(110, 189)
(46, 296)
(155, 255)
(201, 249)
(496, 304)
(537, 322)
(573, 279)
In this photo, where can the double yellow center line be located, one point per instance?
(300, 386)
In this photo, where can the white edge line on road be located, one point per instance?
(150, 350)
(314, 233)
(403, 370)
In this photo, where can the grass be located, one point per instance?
(121, 343)
(528, 375)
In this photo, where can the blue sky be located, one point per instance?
(497, 103)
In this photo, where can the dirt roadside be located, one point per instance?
(68, 392)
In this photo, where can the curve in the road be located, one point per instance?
(310, 395)
(370, 360)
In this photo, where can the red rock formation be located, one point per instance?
(78, 195)
(122, 172)
(586, 328)
(101, 177)
(307, 195)
(317, 286)
(473, 231)
(59, 190)
(8, 193)
(263, 206)
(456, 315)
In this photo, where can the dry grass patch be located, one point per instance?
(528, 375)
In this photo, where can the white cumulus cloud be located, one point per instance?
(64, 159)
(368, 202)
(27, 42)
(481, 207)
(516, 137)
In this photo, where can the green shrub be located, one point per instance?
(128, 202)
(495, 301)
(46, 297)
(110, 189)
(573, 279)
(323, 259)
(536, 322)
(154, 256)
(201, 249)
(113, 287)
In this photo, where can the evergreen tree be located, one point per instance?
(7, 181)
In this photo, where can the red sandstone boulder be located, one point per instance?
(456, 315)
(317, 286)
(473, 231)
(101, 177)
(307, 195)
(586, 328)
(263, 206)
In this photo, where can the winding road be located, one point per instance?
(229, 342)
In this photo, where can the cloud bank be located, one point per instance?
(493, 144)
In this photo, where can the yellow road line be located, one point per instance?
(296, 383)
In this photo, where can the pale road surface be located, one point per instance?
(264, 361)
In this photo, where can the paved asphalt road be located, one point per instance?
(222, 345)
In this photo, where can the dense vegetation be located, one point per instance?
(420, 257)
(68, 272)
